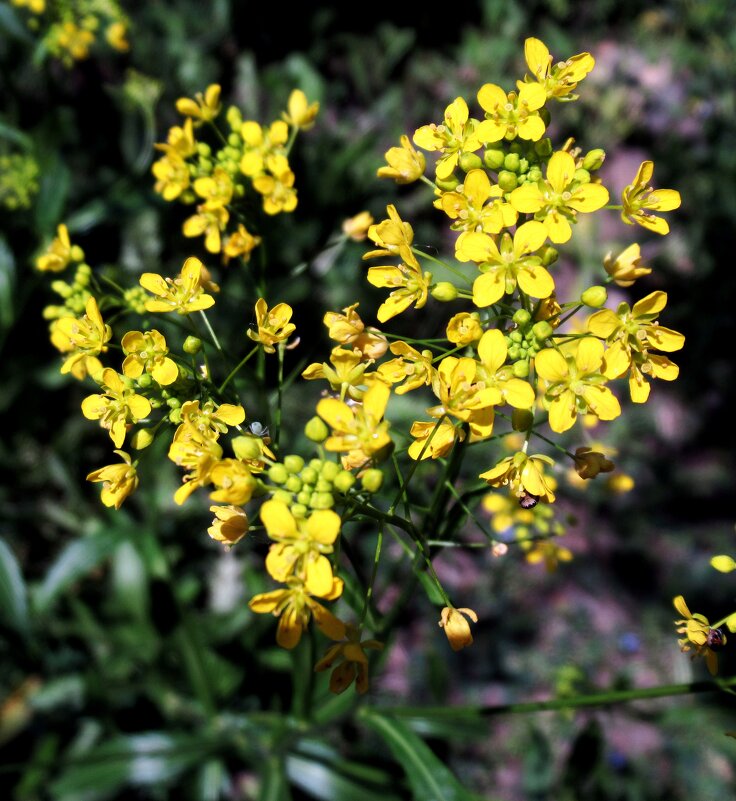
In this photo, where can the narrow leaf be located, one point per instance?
(13, 594)
(325, 783)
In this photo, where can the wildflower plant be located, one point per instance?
(507, 368)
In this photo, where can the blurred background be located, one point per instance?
(130, 666)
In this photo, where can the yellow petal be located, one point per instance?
(323, 526)
(602, 402)
(537, 57)
(588, 197)
(562, 413)
(319, 575)
(278, 520)
(589, 355)
(492, 349)
(551, 365)
(536, 281)
(560, 171)
(488, 288)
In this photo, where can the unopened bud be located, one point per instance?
(343, 480)
(448, 184)
(469, 161)
(293, 463)
(594, 159)
(372, 480)
(316, 430)
(444, 291)
(246, 447)
(192, 345)
(595, 297)
(278, 474)
(141, 439)
(522, 419)
(522, 317)
(542, 330)
(507, 180)
(493, 158)
(512, 162)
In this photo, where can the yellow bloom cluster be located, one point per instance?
(254, 158)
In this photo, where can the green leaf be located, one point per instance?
(53, 191)
(274, 782)
(429, 777)
(74, 562)
(8, 303)
(431, 588)
(141, 760)
(328, 784)
(13, 594)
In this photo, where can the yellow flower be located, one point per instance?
(575, 384)
(640, 200)
(211, 421)
(511, 115)
(393, 237)
(633, 334)
(118, 480)
(412, 367)
(352, 661)
(115, 36)
(172, 176)
(230, 524)
(204, 108)
(557, 200)
(457, 627)
(698, 635)
(626, 267)
(34, 6)
(524, 476)
(492, 351)
(197, 453)
(409, 283)
(294, 606)
(84, 337)
(300, 546)
(356, 228)
(273, 326)
(345, 372)
(116, 406)
(240, 244)
(209, 222)
(75, 40)
(264, 148)
(60, 253)
(505, 266)
(432, 441)
(234, 481)
(558, 79)
(475, 205)
(180, 141)
(348, 329)
(360, 427)
(278, 192)
(147, 352)
(464, 395)
(182, 294)
(456, 136)
(301, 113)
(549, 552)
(405, 164)
(216, 189)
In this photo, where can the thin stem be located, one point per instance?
(374, 573)
(211, 332)
(447, 267)
(279, 396)
(236, 369)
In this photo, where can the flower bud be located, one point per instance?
(511, 162)
(293, 483)
(330, 470)
(469, 161)
(316, 430)
(322, 500)
(246, 448)
(304, 497)
(594, 159)
(372, 480)
(457, 627)
(582, 176)
(281, 495)
(543, 147)
(310, 475)
(448, 184)
(542, 330)
(548, 255)
(521, 369)
(144, 381)
(278, 474)
(344, 480)
(444, 291)
(141, 439)
(493, 158)
(293, 463)
(595, 297)
(522, 317)
(299, 511)
(323, 485)
(589, 463)
(507, 180)
(192, 345)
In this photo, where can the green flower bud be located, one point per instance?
(155, 403)
(513, 352)
(469, 161)
(343, 481)
(316, 464)
(246, 448)
(293, 483)
(582, 176)
(234, 140)
(173, 403)
(534, 175)
(203, 149)
(522, 419)
(516, 147)
(192, 345)
(330, 470)
(76, 253)
(444, 291)
(278, 473)
(299, 511)
(594, 159)
(323, 485)
(144, 381)
(493, 158)
(521, 369)
(304, 497)
(316, 430)
(309, 476)
(542, 330)
(595, 297)
(447, 184)
(523, 166)
(543, 147)
(507, 180)
(545, 115)
(516, 336)
(372, 480)
(512, 162)
(522, 317)
(322, 500)
(548, 254)
(282, 495)
(175, 416)
(293, 463)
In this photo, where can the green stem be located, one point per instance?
(211, 332)
(279, 396)
(374, 573)
(446, 266)
(235, 370)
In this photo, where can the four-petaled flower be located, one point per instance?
(116, 406)
(118, 480)
(146, 351)
(511, 115)
(84, 339)
(457, 135)
(352, 661)
(640, 200)
(698, 634)
(404, 164)
(273, 325)
(183, 294)
(558, 79)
